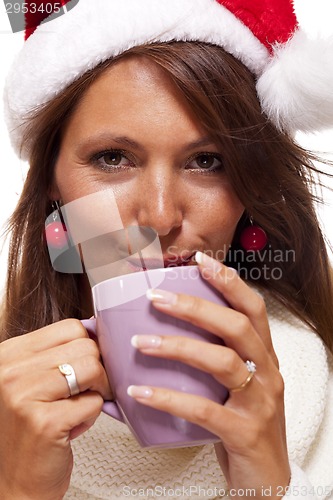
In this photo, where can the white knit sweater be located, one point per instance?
(109, 464)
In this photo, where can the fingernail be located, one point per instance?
(139, 391)
(208, 262)
(146, 341)
(161, 296)
(199, 257)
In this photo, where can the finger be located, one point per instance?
(82, 428)
(43, 339)
(218, 419)
(221, 362)
(237, 293)
(233, 327)
(46, 383)
(63, 417)
(84, 356)
(90, 375)
(58, 334)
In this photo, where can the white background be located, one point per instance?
(314, 16)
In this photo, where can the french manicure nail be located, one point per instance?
(161, 296)
(139, 391)
(146, 341)
(208, 262)
(198, 257)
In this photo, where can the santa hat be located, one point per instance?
(294, 73)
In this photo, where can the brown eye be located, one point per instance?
(113, 159)
(207, 162)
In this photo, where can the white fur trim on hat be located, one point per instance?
(296, 89)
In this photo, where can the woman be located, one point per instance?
(177, 118)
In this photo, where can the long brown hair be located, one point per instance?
(272, 176)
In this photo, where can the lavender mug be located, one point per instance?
(122, 310)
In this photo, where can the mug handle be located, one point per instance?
(109, 407)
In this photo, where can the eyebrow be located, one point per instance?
(104, 138)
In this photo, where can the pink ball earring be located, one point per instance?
(56, 232)
(253, 238)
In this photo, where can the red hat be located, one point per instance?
(294, 73)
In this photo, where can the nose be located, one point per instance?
(159, 203)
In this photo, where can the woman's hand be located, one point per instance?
(38, 419)
(251, 424)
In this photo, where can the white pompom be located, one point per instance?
(296, 88)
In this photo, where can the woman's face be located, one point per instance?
(133, 132)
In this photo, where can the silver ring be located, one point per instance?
(251, 368)
(69, 374)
